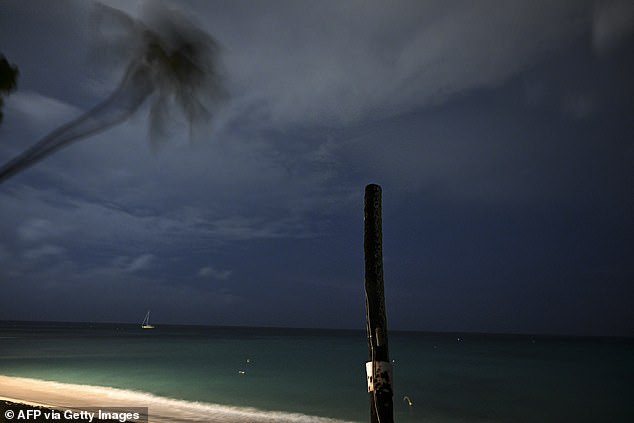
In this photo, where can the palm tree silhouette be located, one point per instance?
(8, 79)
(174, 61)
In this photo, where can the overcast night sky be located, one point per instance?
(502, 133)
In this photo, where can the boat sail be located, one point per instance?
(146, 322)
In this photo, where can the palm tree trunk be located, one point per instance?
(133, 90)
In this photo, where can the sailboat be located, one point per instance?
(146, 322)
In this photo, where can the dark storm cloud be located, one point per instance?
(613, 22)
(500, 132)
(337, 63)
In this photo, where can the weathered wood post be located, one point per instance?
(378, 368)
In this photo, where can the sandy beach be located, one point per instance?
(70, 396)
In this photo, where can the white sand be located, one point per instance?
(70, 396)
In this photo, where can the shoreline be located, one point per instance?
(6, 405)
(62, 396)
(57, 395)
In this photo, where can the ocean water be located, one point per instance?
(448, 377)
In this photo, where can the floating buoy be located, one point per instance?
(408, 401)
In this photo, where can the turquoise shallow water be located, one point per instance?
(449, 377)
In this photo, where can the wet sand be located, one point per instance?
(15, 407)
(70, 396)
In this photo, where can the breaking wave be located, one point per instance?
(160, 409)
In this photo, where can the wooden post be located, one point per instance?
(378, 368)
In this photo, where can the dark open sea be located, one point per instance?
(448, 377)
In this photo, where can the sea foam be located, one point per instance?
(161, 409)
